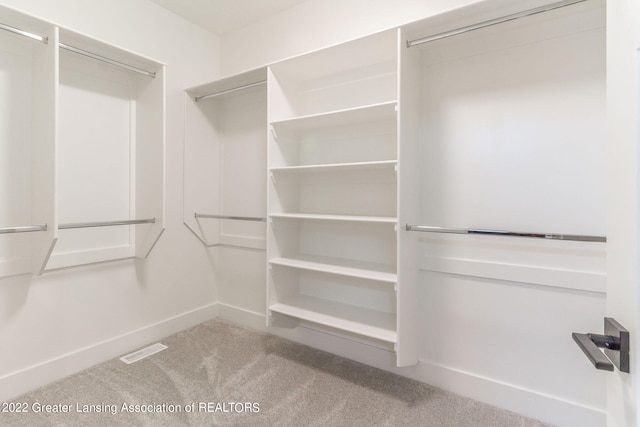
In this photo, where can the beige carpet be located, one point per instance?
(218, 373)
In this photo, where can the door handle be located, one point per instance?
(615, 342)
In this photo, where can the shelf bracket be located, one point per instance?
(615, 343)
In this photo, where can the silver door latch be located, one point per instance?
(615, 343)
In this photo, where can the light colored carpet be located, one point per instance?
(276, 382)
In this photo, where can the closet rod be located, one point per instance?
(228, 91)
(13, 30)
(106, 223)
(107, 60)
(235, 218)
(549, 236)
(484, 24)
(26, 229)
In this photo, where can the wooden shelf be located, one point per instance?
(358, 320)
(335, 167)
(343, 267)
(322, 217)
(349, 116)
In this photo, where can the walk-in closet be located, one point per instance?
(442, 192)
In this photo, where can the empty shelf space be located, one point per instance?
(358, 320)
(322, 217)
(351, 268)
(369, 113)
(332, 167)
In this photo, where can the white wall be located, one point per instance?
(316, 24)
(66, 320)
(94, 312)
(497, 325)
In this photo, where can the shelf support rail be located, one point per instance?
(106, 223)
(491, 22)
(234, 218)
(107, 60)
(23, 33)
(228, 91)
(503, 233)
(26, 229)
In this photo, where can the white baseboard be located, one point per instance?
(543, 407)
(18, 383)
(537, 405)
(547, 408)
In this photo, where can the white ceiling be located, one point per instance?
(222, 16)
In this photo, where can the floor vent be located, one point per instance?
(141, 354)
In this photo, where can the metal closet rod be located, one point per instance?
(107, 60)
(235, 218)
(548, 236)
(106, 223)
(495, 21)
(228, 91)
(25, 229)
(20, 32)
(79, 51)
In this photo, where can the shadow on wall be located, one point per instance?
(14, 291)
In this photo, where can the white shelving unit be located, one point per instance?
(82, 136)
(333, 195)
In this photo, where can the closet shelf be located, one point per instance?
(331, 167)
(365, 322)
(345, 218)
(349, 116)
(359, 269)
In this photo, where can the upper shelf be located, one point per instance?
(350, 75)
(344, 117)
(333, 61)
(228, 85)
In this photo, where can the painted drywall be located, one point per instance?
(127, 302)
(315, 24)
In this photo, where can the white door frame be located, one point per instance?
(623, 43)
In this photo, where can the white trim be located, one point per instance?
(541, 406)
(20, 382)
(551, 409)
(90, 256)
(590, 281)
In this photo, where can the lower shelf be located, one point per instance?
(370, 323)
(370, 271)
